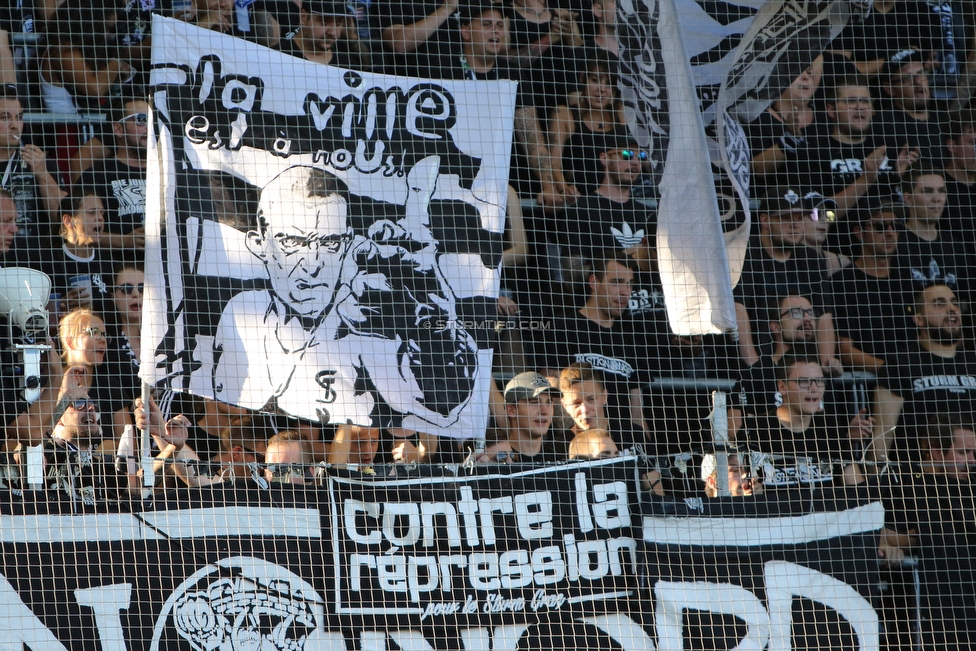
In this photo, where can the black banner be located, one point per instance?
(501, 560)
(791, 569)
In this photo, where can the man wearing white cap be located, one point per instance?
(529, 406)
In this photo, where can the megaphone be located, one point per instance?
(24, 294)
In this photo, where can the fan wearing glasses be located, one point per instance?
(609, 218)
(73, 463)
(851, 162)
(779, 264)
(124, 328)
(869, 329)
(794, 329)
(797, 444)
(85, 342)
(120, 179)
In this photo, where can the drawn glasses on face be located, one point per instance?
(287, 471)
(329, 244)
(808, 382)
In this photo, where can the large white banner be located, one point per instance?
(322, 242)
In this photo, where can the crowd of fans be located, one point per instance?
(859, 267)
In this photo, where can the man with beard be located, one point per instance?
(909, 118)
(935, 375)
(610, 217)
(323, 35)
(793, 326)
(72, 463)
(779, 264)
(931, 513)
(120, 181)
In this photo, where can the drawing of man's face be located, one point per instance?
(304, 237)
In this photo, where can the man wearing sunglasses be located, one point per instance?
(120, 180)
(73, 465)
(870, 330)
(609, 218)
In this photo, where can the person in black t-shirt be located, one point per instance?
(930, 511)
(892, 25)
(124, 330)
(120, 181)
(417, 36)
(779, 133)
(793, 325)
(935, 375)
(28, 176)
(78, 272)
(579, 126)
(484, 35)
(851, 163)
(610, 218)
(926, 253)
(778, 264)
(960, 179)
(797, 445)
(869, 312)
(84, 342)
(72, 464)
(596, 334)
(909, 119)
